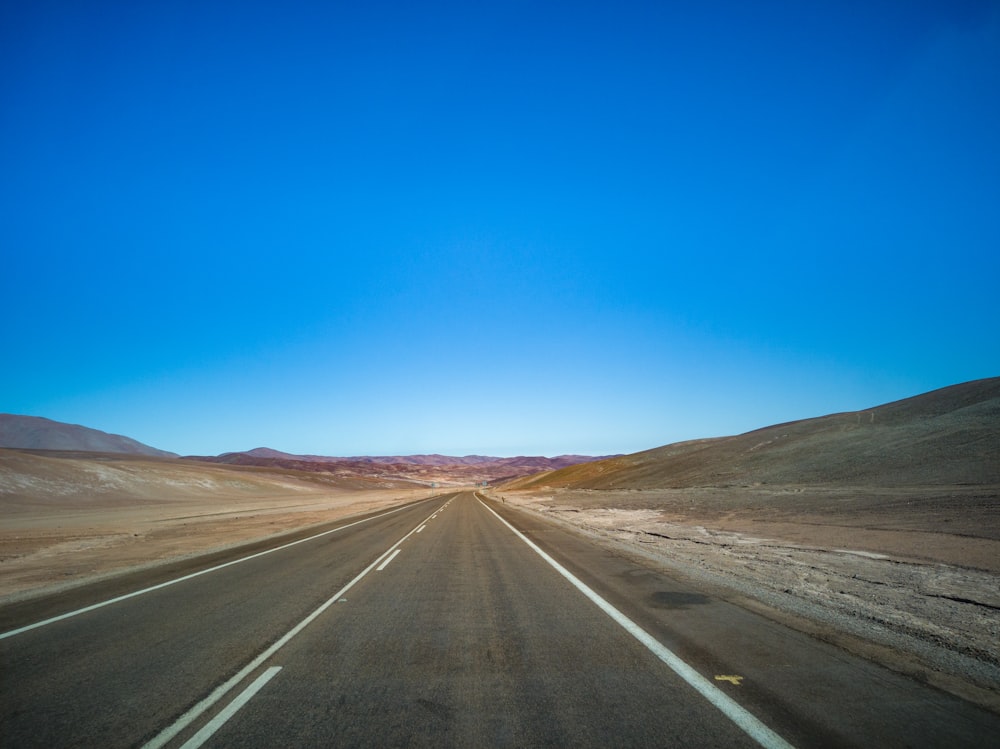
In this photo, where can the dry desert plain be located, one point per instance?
(878, 531)
(70, 518)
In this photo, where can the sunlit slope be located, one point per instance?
(947, 436)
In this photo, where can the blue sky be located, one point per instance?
(499, 228)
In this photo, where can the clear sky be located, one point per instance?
(501, 228)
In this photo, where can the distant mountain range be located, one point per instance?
(424, 468)
(36, 433)
(559, 461)
(945, 437)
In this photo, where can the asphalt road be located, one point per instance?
(448, 622)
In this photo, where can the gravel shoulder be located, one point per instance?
(906, 577)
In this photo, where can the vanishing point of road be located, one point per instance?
(454, 621)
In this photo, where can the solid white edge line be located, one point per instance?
(388, 559)
(232, 708)
(219, 692)
(745, 720)
(135, 593)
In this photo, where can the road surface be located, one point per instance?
(452, 621)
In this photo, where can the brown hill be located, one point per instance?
(36, 433)
(948, 436)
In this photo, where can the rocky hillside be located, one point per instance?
(948, 436)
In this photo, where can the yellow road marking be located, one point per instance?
(733, 679)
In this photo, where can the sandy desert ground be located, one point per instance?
(907, 577)
(69, 520)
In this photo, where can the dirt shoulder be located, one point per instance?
(909, 578)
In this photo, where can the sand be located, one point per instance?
(70, 520)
